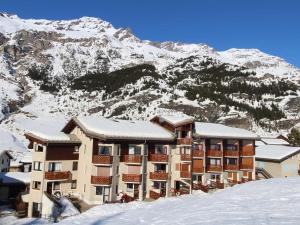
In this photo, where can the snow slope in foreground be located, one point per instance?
(274, 201)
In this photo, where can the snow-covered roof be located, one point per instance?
(15, 177)
(275, 152)
(221, 131)
(53, 136)
(176, 120)
(274, 141)
(259, 143)
(27, 157)
(123, 129)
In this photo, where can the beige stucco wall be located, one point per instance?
(287, 168)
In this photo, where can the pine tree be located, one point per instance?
(294, 137)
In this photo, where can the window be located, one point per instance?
(135, 150)
(37, 166)
(117, 189)
(160, 167)
(54, 166)
(215, 147)
(160, 149)
(76, 149)
(215, 177)
(215, 162)
(36, 185)
(105, 150)
(159, 185)
(129, 188)
(75, 166)
(185, 150)
(73, 184)
(39, 148)
(231, 147)
(56, 185)
(197, 147)
(99, 190)
(231, 161)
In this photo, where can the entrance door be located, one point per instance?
(49, 188)
(106, 194)
(36, 209)
(136, 191)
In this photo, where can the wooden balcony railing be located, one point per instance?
(231, 167)
(231, 153)
(198, 153)
(158, 157)
(102, 159)
(185, 157)
(105, 180)
(199, 186)
(198, 170)
(217, 168)
(246, 166)
(136, 159)
(217, 184)
(214, 153)
(58, 175)
(185, 174)
(248, 151)
(159, 175)
(154, 195)
(184, 141)
(132, 178)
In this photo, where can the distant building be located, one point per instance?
(5, 158)
(23, 164)
(277, 160)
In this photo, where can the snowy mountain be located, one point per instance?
(51, 69)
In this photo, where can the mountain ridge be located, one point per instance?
(42, 60)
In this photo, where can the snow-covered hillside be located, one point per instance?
(86, 66)
(273, 201)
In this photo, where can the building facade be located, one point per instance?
(98, 159)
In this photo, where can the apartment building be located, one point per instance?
(98, 158)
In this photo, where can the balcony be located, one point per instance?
(198, 153)
(102, 159)
(134, 159)
(185, 157)
(198, 170)
(103, 180)
(246, 166)
(248, 151)
(184, 141)
(158, 158)
(185, 174)
(214, 153)
(58, 175)
(132, 178)
(231, 167)
(159, 175)
(155, 195)
(231, 153)
(214, 168)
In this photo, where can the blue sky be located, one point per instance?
(272, 26)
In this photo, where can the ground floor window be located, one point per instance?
(99, 190)
(215, 177)
(36, 208)
(159, 185)
(74, 184)
(56, 185)
(129, 188)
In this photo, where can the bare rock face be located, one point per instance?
(92, 49)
